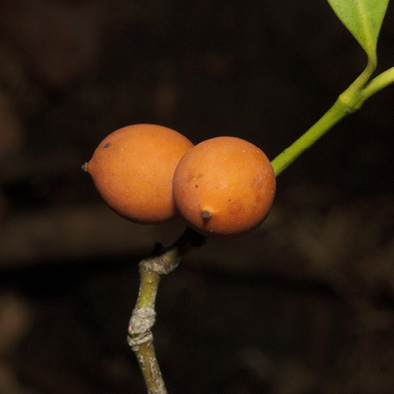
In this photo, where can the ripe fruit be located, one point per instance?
(224, 186)
(133, 168)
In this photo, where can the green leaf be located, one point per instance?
(363, 18)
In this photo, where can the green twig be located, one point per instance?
(328, 120)
(378, 83)
(140, 336)
(348, 102)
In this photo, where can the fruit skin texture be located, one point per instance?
(133, 167)
(224, 186)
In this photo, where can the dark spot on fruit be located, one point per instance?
(196, 187)
(234, 207)
(106, 145)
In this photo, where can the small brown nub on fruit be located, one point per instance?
(205, 215)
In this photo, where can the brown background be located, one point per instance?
(303, 305)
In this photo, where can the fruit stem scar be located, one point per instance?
(206, 215)
(85, 167)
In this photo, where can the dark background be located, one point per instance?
(303, 305)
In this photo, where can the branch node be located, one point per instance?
(141, 322)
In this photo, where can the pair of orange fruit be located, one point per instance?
(149, 173)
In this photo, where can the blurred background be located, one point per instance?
(303, 305)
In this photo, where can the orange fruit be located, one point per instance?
(133, 167)
(224, 186)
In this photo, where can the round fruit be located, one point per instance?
(133, 168)
(224, 186)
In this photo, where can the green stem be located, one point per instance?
(378, 83)
(353, 95)
(143, 318)
(337, 112)
(149, 366)
(140, 336)
(348, 102)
